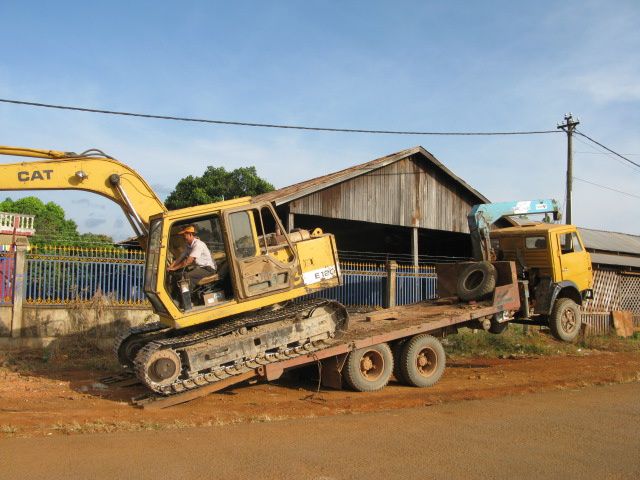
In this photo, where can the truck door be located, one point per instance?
(262, 254)
(575, 262)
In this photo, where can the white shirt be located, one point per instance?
(199, 251)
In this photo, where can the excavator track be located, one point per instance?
(130, 341)
(173, 365)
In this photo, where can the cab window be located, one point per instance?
(243, 240)
(535, 243)
(569, 243)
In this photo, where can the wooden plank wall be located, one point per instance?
(409, 192)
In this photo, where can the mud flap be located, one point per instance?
(331, 373)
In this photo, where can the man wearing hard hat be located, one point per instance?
(195, 260)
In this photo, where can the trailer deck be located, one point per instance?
(437, 317)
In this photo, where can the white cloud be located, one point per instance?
(611, 85)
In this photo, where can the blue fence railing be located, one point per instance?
(366, 284)
(64, 275)
(7, 263)
(415, 284)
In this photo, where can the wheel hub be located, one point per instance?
(372, 365)
(426, 362)
(163, 367)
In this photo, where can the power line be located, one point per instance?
(268, 125)
(608, 154)
(606, 188)
(608, 149)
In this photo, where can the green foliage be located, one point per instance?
(95, 238)
(215, 185)
(51, 223)
(511, 342)
(50, 219)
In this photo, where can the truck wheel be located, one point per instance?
(422, 361)
(476, 280)
(565, 321)
(369, 369)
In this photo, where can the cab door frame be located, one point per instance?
(258, 273)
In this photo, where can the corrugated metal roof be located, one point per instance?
(610, 241)
(293, 192)
(617, 260)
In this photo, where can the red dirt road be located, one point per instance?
(68, 402)
(587, 433)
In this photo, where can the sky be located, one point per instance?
(404, 65)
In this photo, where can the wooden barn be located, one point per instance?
(407, 206)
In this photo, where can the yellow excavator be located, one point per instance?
(243, 314)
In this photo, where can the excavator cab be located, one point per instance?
(253, 257)
(258, 263)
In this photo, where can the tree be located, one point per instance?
(217, 184)
(50, 221)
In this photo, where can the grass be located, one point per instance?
(8, 429)
(60, 356)
(514, 341)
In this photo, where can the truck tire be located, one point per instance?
(422, 361)
(565, 320)
(476, 280)
(369, 369)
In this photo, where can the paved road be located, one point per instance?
(590, 433)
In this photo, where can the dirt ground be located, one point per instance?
(584, 433)
(71, 400)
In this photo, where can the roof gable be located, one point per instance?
(307, 187)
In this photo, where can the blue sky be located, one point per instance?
(425, 65)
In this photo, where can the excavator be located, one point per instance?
(245, 314)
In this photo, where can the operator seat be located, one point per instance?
(221, 272)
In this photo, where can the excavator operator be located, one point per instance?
(195, 260)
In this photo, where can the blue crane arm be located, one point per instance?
(484, 215)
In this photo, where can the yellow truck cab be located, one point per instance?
(556, 269)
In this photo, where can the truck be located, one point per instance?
(554, 268)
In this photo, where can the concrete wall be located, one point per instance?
(49, 321)
(43, 324)
(5, 320)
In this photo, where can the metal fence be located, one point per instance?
(366, 284)
(59, 275)
(415, 284)
(7, 264)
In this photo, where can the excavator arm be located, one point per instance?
(484, 215)
(92, 171)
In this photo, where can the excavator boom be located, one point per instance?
(92, 171)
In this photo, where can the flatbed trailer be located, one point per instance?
(371, 336)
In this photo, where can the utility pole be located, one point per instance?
(569, 126)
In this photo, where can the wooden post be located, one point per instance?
(290, 222)
(18, 286)
(390, 294)
(414, 246)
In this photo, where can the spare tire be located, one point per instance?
(476, 280)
